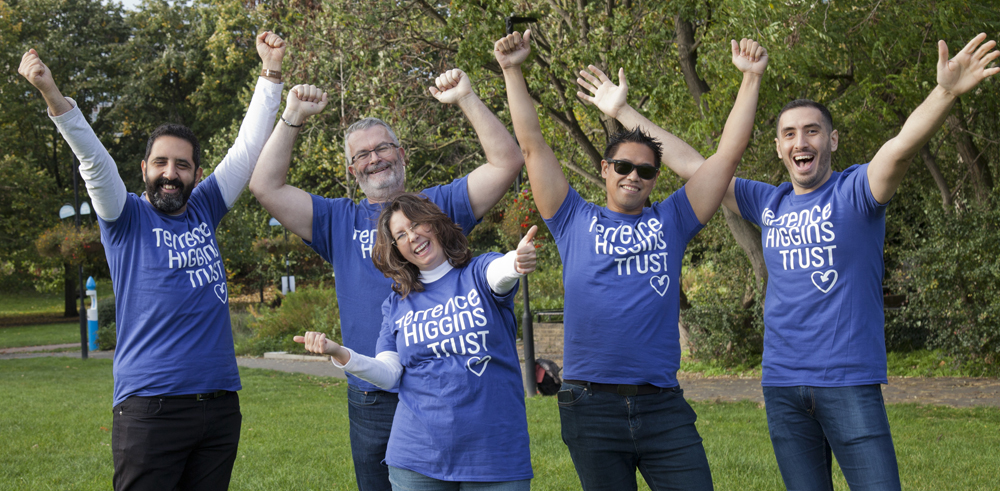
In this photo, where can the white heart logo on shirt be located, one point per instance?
(824, 277)
(658, 282)
(220, 291)
(475, 361)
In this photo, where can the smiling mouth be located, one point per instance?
(378, 168)
(803, 160)
(421, 248)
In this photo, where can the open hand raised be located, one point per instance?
(969, 66)
(607, 96)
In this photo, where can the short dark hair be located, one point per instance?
(797, 103)
(179, 131)
(405, 275)
(634, 136)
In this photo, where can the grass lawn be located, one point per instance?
(55, 422)
(40, 335)
(919, 363)
(30, 302)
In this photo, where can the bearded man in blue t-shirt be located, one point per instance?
(823, 235)
(343, 232)
(620, 406)
(176, 411)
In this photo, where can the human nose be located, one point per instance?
(368, 158)
(801, 142)
(170, 170)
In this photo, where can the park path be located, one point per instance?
(944, 391)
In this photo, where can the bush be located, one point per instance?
(308, 309)
(107, 336)
(105, 312)
(906, 330)
(731, 336)
(951, 274)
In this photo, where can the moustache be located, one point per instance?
(163, 181)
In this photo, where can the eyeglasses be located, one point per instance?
(384, 151)
(404, 234)
(624, 168)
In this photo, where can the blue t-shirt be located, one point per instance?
(621, 275)
(461, 399)
(343, 234)
(823, 318)
(171, 300)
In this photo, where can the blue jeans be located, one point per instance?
(807, 422)
(407, 480)
(371, 415)
(609, 436)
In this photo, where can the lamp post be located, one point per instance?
(527, 329)
(287, 281)
(75, 210)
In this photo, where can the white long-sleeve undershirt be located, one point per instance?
(385, 369)
(106, 188)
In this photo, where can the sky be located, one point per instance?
(130, 4)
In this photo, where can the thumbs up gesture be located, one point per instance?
(524, 263)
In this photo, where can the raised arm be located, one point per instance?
(106, 188)
(488, 183)
(233, 173)
(954, 77)
(291, 206)
(548, 183)
(714, 179)
(611, 99)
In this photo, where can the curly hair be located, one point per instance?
(405, 275)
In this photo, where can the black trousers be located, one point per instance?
(175, 444)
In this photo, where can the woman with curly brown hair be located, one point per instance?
(449, 340)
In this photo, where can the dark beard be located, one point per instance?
(168, 203)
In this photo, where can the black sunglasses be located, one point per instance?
(624, 168)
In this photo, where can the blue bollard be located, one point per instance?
(92, 315)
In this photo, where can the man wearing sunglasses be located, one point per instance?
(343, 232)
(823, 235)
(620, 406)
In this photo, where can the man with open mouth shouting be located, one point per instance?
(823, 235)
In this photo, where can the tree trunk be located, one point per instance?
(69, 291)
(682, 328)
(687, 51)
(748, 237)
(931, 163)
(982, 179)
